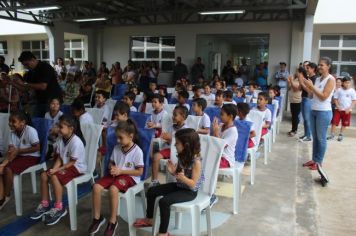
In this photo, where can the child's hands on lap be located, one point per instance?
(150, 124)
(216, 126)
(171, 167)
(180, 176)
(115, 171)
(165, 136)
(53, 171)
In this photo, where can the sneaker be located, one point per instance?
(95, 225)
(153, 183)
(308, 163)
(324, 178)
(305, 139)
(291, 134)
(340, 137)
(3, 202)
(54, 215)
(330, 137)
(314, 166)
(39, 212)
(110, 229)
(213, 200)
(302, 137)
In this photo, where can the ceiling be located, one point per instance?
(155, 12)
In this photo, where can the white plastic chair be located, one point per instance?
(257, 119)
(193, 121)
(91, 133)
(97, 114)
(275, 121)
(149, 108)
(88, 105)
(170, 90)
(139, 98)
(4, 132)
(169, 108)
(211, 151)
(111, 104)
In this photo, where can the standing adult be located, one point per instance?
(116, 73)
(311, 69)
(179, 70)
(321, 94)
(228, 73)
(295, 97)
(40, 80)
(59, 67)
(3, 67)
(72, 67)
(281, 76)
(197, 70)
(103, 69)
(88, 70)
(244, 71)
(153, 72)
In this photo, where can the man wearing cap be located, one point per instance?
(282, 75)
(40, 81)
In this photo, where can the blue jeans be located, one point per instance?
(306, 110)
(320, 120)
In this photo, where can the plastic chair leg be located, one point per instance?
(237, 189)
(156, 216)
(72, 205)
(195, 214)
(144, 203)
(34, 183)
(130, 203)
(178, 220)
(253, 167)
(208, 221)
(18, 194)
(265, 149)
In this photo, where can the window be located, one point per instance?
(3, 47)
(39, 48)
(74, 48)
(159, 49)
(342, 50)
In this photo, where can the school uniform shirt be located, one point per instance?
(186, 105)
(204, 122)
(106, 110)
(252, 129)
(72, 149)
(129, 160)
(267, 115)
(172, 130)
(232, 102)
(345, 98)
(28, 138)
(55, 118)
(210, 97)
(133, 108)
(86, 118)
(157, 117)
(230, 136)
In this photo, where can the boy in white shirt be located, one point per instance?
(198, 107)
(228, 97)
(100, 99)
(208, 95)
(78, 111)
(345, 99)
(155, 121)
(129, 99)
(262, 102)
(182, 99)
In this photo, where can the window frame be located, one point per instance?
(40, 50)
(4, 51)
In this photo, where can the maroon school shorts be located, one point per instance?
(21, 163)
(67, 175)
(122, 182)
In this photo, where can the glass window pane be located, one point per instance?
(167, 65)
(44, 44)
(76, 43)
(67, 54)
(3, 45)
(168, 54)
(36, 45)
(138, 41)
(137, 53)
(152, 41)
(152, 54)
(26, 45)
(349, 41)
(168, 42)
(66, 44)
(37, 54)
(348, 55)
(45, 54)
(347, 70)
(333, 54)
(330, 40)
(77, 53)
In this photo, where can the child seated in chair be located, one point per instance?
(252, 91)
(129, 99)
(121, 113)
(189, 175)
(180, 114)
(147, 98)
(262, 102)
(70, 162)
(78, 111)
(155, 120)
(240, 93)
(219, 99)
(23, 152)
(183, 98)
(208, 95)
(242, 111)
(228, 97)
(197, 91)
(198, 107)
(100, 98)
(125, 168)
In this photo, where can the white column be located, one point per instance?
(56, 42)
(308, 37)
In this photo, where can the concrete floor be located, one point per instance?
(285, 200)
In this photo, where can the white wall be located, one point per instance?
(116, 40)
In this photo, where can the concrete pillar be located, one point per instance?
(56, 42)
(308, 37)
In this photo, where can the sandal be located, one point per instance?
(141, 223)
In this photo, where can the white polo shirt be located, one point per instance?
(133, 108)
(345, 97)
(86, 118)
(252, 129)
(210, 97)
(267, 115)
(172, 130)
(72, 149)
(185, 105)
(204, 122)
(55, 118)
(106, 111)
(156, 118)
(230, 136)
(27, 139)
(130, 160)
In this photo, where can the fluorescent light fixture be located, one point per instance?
(222, 12)
(44, 8)
(90, 19)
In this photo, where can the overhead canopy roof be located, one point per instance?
(154, 12)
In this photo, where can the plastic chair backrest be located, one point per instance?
(139, 118)
(111, 104)
(91, 134)
(243, 129)
(119, 91)
(193, 121)
(169, 108)
(97, 114)
(238, 100)
(212, 112)
(279, 100)
(66, 109)
(145, 136)
(166, 122)
(248, 98)
(42, 126)
(257, 119)
(4, 132)
(149, 108)
(139, 98)
(211, 151)
(170, 90)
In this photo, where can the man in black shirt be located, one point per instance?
(3, 67)
(41, 81)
